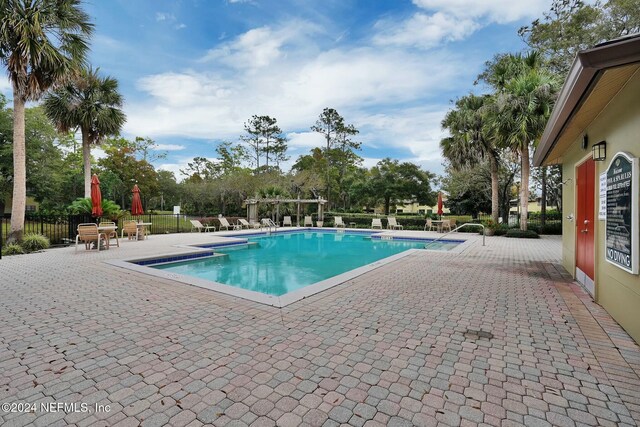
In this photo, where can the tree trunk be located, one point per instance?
(387, 204)
(86, 158)
(494, 188)
(19, 171)
(543, 199)
(524, 187)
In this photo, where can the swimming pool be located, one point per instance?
(281, 263)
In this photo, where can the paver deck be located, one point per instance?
(492, 336)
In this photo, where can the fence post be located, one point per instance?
(177, 223)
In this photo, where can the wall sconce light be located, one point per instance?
(599, 151)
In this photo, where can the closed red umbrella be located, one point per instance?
(136, 203)
(96, 197)
(440, 203)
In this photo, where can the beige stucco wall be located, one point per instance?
(619, 125)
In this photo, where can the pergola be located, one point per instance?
(252, 207)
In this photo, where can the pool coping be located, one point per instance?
(207, 250)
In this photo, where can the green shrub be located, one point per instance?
(12, 249)
(110, 209)
(519, 234)
(549, 228)
(501, 230)
(35, 242)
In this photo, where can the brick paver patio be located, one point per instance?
(493, 336)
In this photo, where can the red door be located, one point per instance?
(585, 212)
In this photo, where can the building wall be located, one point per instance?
(619, 125)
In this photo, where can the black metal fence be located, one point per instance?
(61, 229)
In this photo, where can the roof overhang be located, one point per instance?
(595, 77)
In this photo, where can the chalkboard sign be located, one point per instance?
(622, 213)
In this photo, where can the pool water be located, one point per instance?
(282, 263)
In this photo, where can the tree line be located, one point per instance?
(43, 47)
(494, 134)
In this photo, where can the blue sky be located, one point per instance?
(193, 71)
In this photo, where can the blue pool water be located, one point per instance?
(282, 263)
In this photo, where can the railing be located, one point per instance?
(456, 229)
(269, 224)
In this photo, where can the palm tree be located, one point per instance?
(41, 44)
(525, 98)
(471, 141)
(92, 104)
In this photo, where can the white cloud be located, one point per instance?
(261, 47)
(424, 30)
(5, 85)
(169, 147)
(376, 88)
(304, 139)
(98, 153)
(161, 16)
(416, 131)
(440, 21)
(369, 162)
(180, 26)
(500, 11)
(209, 105)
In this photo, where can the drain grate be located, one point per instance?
(476, 335)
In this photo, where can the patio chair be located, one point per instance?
(244, 223)
(197, 225)
(337, 222)
(446, 224)
(112, 234)
(308, 222)
(376, 223)
(452, 224)
(224, 223)
(88, 234)
(430, 225)
(392, 224)
(131, 228)
(286, 221)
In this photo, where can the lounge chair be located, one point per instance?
(88, 234)
(308, 222)
(337, 222)
(225, 223)
(197, 225)
(244, 223)
(430, 225)
(131, 228)
(376, 223)
(286, 221)
(392, 224)
(111, 234)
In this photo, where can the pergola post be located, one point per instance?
(252, 210)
